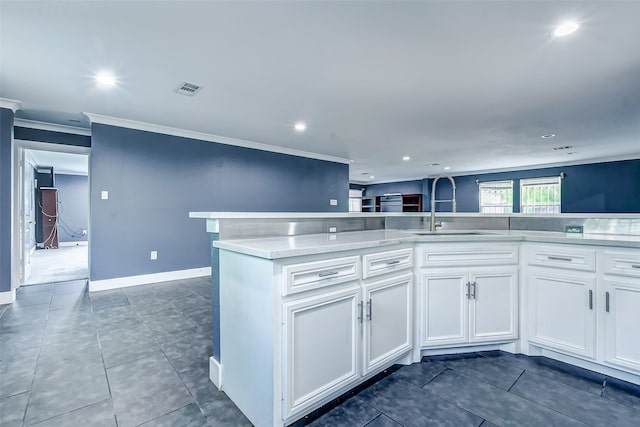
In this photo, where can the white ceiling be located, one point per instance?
(65, 163)
(471, 85)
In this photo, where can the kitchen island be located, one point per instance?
(305, 318)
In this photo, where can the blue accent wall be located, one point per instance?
(29, 134)
(6, 147)
(608, 187)
(155, 180)
(73, 207)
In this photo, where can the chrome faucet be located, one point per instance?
(434, 201)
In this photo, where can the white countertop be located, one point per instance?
(311, 244)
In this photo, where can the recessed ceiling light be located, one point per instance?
(447, 168)
(300, 126)
(566, 28)
(105, 79)
(371, 177)
(406, 158)
(564, 147)
(352, 161)
(549, 135)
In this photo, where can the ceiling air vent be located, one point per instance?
(188, 89)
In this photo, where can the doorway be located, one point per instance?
(52, 200)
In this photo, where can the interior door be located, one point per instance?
(28, 215)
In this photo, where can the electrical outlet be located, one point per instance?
(333, 202)
(154, 254)
(84, 232)
(333, 229)
(104, 195)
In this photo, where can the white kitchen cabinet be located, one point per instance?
(562, 310)
(621, 318)
(469, 306)
(322, 345)
(388, 320)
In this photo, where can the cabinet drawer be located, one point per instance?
(621, 263)
(560, 256)
(317, 274)
(454, 256)
(384, 262)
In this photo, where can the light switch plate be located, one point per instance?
(333, 202)
(104, 195)
(154, 254)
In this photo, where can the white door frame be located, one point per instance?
(17, 260)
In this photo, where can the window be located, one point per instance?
(540, 195)
(496, 197)
(355, 200)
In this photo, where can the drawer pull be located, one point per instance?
(590, 299)
(328, 273)
(393, 261)
(635, 265)
(606, 302)
(559, 258)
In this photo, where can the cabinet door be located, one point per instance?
(444, 307)
(622, 317)
(493, 309)
(321, 347)
(561, 311)
(388, 320)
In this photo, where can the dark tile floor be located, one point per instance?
(139, 357)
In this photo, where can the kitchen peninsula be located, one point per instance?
(306, 317)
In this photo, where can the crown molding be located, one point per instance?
(166, 130)
(11, 104)
(54, 127)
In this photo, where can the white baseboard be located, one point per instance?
(78, 243)
(215, 372)
(144, 279)
(8, 297)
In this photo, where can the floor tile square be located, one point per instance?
(419, 373)
(491, 370)
(126, 345)
(578, 404)
(493, 404)
(412, 406)
(353, 412)
(99, 414)
(12, 410)
(17, 371)
(146, 389)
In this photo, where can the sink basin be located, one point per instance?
(449, 233)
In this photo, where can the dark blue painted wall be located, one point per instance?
(6, 139)
(29, 134)
(73, 207)
(609, 187)
(155, 180)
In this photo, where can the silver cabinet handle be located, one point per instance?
(328, 273)
(606, 302)
(360, 309)
(559, 258)
(394, 261)
(369, 310)
(468, 290)
(635, 265)
(473, 285)
(590, 299)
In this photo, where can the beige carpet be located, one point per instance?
(59, 265)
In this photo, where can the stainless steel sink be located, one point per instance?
(449, 233)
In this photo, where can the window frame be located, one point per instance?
(495, 185)
(540, 183)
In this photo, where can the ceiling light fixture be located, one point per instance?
(549, 135)
(371, 177)
(566, 28)
(300, 126)
(406, 158)
(447, 168)
(105, 79)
